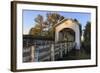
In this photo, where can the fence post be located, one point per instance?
(52, 52)
(61, 54)
(32, 53)
(65, 47)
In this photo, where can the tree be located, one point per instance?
(35, 31)
(39, 20)
(87, 37)
(54, 18)
(46, 27)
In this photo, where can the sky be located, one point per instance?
(30, 15)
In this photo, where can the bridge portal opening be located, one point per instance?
(67, 34)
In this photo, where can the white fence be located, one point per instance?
(48, 52)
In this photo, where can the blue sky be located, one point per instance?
(30, 15)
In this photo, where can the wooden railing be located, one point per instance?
(51, 51)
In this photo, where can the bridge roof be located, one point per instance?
(62, 21)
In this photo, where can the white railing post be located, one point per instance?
(32, 53)
(52, 52)
(65, 47)
(61, 55)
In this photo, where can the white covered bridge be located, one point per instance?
(67, 37)
(68, 29)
